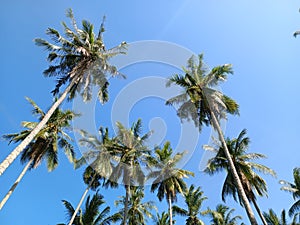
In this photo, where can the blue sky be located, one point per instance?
(254, 36)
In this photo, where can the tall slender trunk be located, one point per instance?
(237, 180)
(127, 189)
(14, 154)
(263, 219)
(13, 187)
(78, 206)
(170, 210)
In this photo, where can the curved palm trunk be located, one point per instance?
(263, 219)
(170, 210)
(127, 188)
(13, 187)
(14, 154)
(234, 172)
(78, 206)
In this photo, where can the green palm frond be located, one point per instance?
(162, 219)
(295, 208)
(272, 218)
(36, 109)
(92, 214)
(69, 208)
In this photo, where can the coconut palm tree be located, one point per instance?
(129, 155)
(100, 167)
(168, 179)
(193, 199)
(137, 210)
(293, 188)
(202, 103)
(45, 144)
(79, 60)
(245, 167)
(162, 219)
(91, 215)
(222, 215)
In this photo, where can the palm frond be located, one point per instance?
(37, 110)
(296, 33)
(69, 208)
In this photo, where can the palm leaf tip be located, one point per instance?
(231, 106)
(296, 33)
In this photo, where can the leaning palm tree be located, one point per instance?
(45, 144)
(202, 103)
(293, 188)
(78, 59)
(91, 215)
(129, 155)
(222, 215)
(162, 219)
(193, 199)
(137, 210)
(168, 179)
(100, 167)
(245, 167)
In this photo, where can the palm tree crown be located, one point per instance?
(293, 188)
(98, 158)
(273, 219)
(129, 154)
(168, 179)
(137, 210)
(80, 56)
(91, 214)
(193, 199)
(162, 219)
(222, 216)
(200, 97)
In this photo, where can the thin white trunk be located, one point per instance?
(14, 154)
(127, 188)
(78, 206)
(170, 210)
(237, 180)
(13, 187)
(263, 219)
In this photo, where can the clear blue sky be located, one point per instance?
(254, 36)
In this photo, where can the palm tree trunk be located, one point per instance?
(14, 154)
(78, 206)
(263, 219)
(237, 180)
(170, 210)
(13, 187)
(127, 188)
